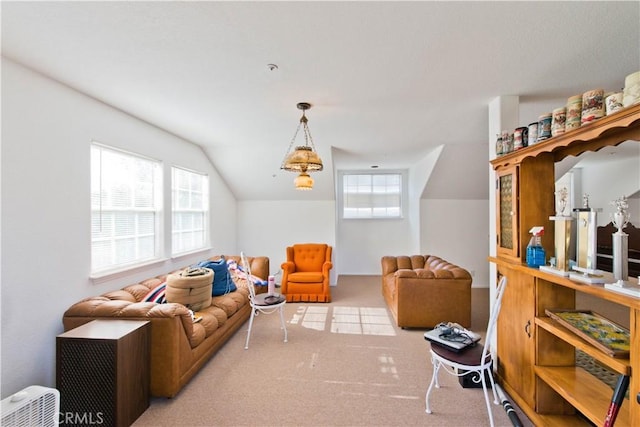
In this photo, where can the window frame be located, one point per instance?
(156, 208)
(205, 212)
(402, 194)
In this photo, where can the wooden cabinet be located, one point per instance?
(524, 199)
(539, 370)
(103, 372)
(537, 356)
(516, 334)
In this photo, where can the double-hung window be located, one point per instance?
(189, 211)
(372, 195)
(126, 209)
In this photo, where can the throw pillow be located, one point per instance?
(222, 283)
(157, 294)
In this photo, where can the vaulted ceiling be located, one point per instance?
(388, 81)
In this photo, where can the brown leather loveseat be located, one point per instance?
(179, 346)
(424, 290)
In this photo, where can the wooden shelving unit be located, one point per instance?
(540, 372)
(583, 391)
(621, 366)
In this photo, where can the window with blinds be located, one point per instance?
(367, 195)
(189, 211)
(126, 204)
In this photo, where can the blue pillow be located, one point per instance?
(222, 282)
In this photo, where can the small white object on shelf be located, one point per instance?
(587, 275)
(624, 287)
(553, 270)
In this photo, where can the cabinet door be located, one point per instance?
(516, 343)
(507, 213)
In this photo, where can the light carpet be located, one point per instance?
(346, 364)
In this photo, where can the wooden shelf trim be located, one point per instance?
(621, 366)
(614, 129)
(583, 391)
(596, 290)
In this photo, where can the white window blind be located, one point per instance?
(372, 195)
(190, 211)
(125, 209)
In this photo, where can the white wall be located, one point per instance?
(610, 181)
(46, 133)
(456, 230)
(268, 227)
(363, 242)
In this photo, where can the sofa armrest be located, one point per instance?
(102, 307)
(389, 265)
(288, 267)
(260, 266)
(326, 267)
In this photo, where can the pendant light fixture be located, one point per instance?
(304, 158)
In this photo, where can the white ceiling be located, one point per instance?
(389, 81)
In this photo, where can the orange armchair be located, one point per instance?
(305, 274)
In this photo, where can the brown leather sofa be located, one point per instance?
(179, 347)
(424, 290)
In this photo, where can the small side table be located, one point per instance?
(102, 372)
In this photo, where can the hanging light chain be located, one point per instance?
(286, 154)
(307, 134)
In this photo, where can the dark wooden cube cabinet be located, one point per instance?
(103, 373)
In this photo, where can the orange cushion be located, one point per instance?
(306, 277)
(309, 257)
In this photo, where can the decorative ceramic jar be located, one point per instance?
(558, 120)
(507, 142)
(520, 137)
(613, 103)
(533, 133)
(631, 92)
(544, 127)
(517, 139)
(574, 112)
(592, 105)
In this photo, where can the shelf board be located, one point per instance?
(561, 421)
(584, 392)
(621, 366)
(597, 290)
(543, 419)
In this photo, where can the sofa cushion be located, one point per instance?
(121, 295)
(404, 262)
(405, 272)
(226, 303)
(306, 277)
(218, 313)
(198, 335)
(139, 290)
(209, 321)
